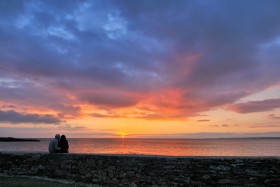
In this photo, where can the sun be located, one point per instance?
(122, 134)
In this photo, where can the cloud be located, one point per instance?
(11, 116)
(224, 125)
(273, 116)
(110, 99)
(68, 127)
(256, 106)
(60, 56)
(203, 120)
(66, 111)
(98, 115)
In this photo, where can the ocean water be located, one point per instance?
(166, 147)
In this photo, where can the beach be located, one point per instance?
(141, 170)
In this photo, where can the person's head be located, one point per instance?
(63, 137)
(57, 136)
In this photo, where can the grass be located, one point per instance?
(6, 181)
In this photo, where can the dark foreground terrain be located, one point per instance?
(150, 171)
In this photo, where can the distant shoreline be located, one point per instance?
(10, 139)
(38, 139)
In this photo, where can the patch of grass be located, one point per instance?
(30, 182)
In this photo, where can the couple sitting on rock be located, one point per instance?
(59, 144)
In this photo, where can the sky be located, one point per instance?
(140, 69)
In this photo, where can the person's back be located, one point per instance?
(53, 145)
(63, 144)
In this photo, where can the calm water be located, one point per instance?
(172, 147)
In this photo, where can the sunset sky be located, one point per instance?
(140, 69)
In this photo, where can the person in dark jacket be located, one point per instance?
(63, 144)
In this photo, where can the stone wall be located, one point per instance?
(122, 170)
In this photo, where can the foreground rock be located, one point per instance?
(146, 171)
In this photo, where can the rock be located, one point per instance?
(40, 167)
(112, 168)
(220, 168)
(237, 171)
(59, 173)
(206, 177)
(99, 162)
(115, 181)
(66, 166)
(197, 183)
(110, 171)
(34, 170)
(36, 157)
(130, 174)
(95, 180)
(88, 175)
(125, 181)
(110, 175)
(138, 175)
(107, 180)
(227, 181)
(122, 175)
(81, 165)
(254, 173)
(133, 184)
(272, 182)
(96, 185)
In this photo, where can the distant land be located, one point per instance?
(247, 138)
(10, 139)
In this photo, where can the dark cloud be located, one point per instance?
(256, 106)
(11, 116)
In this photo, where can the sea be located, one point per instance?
(160, 147)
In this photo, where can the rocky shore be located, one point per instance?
(125, 170)
(11, 139)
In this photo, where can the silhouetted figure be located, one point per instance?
(63, 144)
(53, 146)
